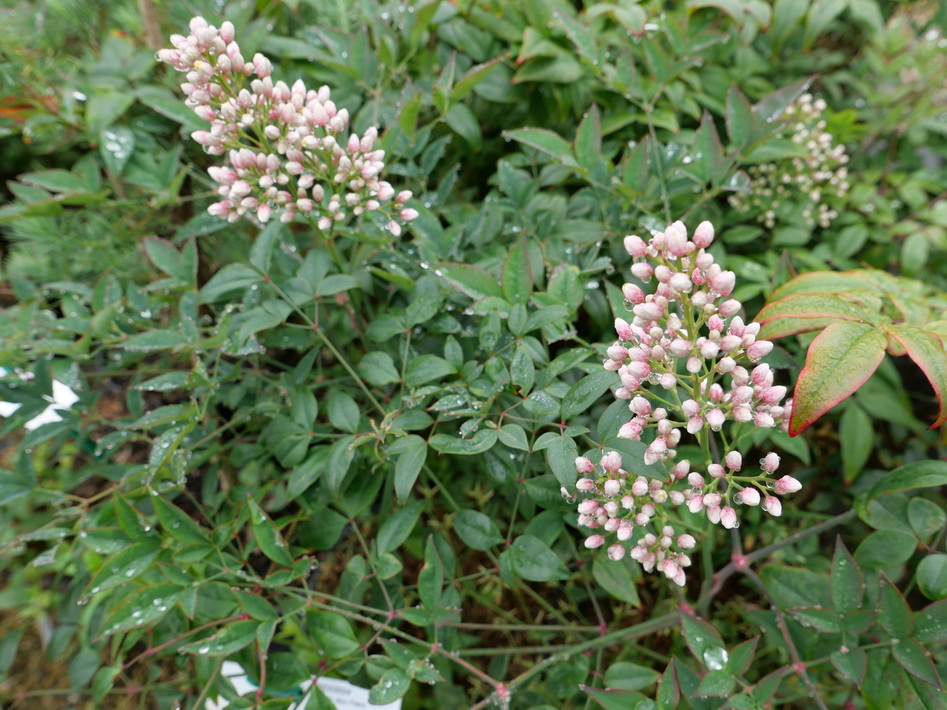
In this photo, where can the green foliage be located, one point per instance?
(352, 446)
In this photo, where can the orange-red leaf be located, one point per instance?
(839, 361)
(927, 350)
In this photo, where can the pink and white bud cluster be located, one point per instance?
(818, 181)
(289, 148)
(617, 503)
(688, 364)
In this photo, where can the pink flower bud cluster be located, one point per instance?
(688, 365)
(289, 148)
(816, 180)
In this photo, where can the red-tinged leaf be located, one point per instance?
(928, 352)
(828, 282)
(916, 660)
(782, 327)
(816, 305)
(839, 361)
(669, 694)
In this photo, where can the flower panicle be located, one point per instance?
(290, 149)
(688, 364)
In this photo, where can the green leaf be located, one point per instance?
(857, 435)
(123, 566)
(534, 561)
(332, 633)
(55, 181)
(932, 577)
(851, 664)
(393, 684)
(795, 587)
(915, 659)
(588, 139)
(431, 576)
(848, 586)
(154, 340)
(522, 372)
(716, 684)
(343, 411)
(103, 680)
(741, 657)
(740, 119)
(932, 623)
(701, 637)
(474, 76)
(230, 639)
(921, 474)
(483, 440)
(268, 535)
(229, 280)
(894, 615)
(885, 548)
(925, 516)
(512, 435)
(469, 280)
(544, 141)
(396, 529)
(176, 522)
(617, 579)
(425, 368)
(615, 699)
(630, 676)
(928, 352)
(584, 393)
(517, 273)
(143, 608)
(410, 461)
(825, 620)
(463, 122)
(669, 694)
(408, 116)
(378, 369)
(561, 454)
(476, 530)
(839, 361)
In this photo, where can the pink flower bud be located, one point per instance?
(772, 506)
(668, 381)
(758, 349)
(716, 470)
(611, 461)
(639, 487)
(763, 420)
(695, 479)
(642, 270)
(734, 460)
(715, 419)
(696, 504)
(635, 246)
(623, 329)
(748, 496)
(703, 235)
(770, 462)
(675, 239)
(633, 294)
(584, 465)
(729, 343)
(694, 425)
(714, 514)
(685, 541)
(729, 308)
(774, 394)
(648, 311)
(611, 487)
(593, 541)
(786, 484)
(616, 552)
(670, 568)
(728, 518)
(408, 214)
(681, 469)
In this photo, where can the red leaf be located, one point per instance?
(839, 361)
(928, 352)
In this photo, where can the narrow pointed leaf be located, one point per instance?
(225, 642)
(928, 352)
(470, 280)
(669, 694)
(124, 566)
(839, 361)
(932, 623)
(851, 664)
(895, 615)
(143, 608)
(815, 305)
(517, 274)
(268, 535)
(915, 659)
(848, 587)
(544, 141)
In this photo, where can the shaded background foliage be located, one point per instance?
(331, 442)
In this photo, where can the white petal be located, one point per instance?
(8, 408)
(47, 416)
(63, 396)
